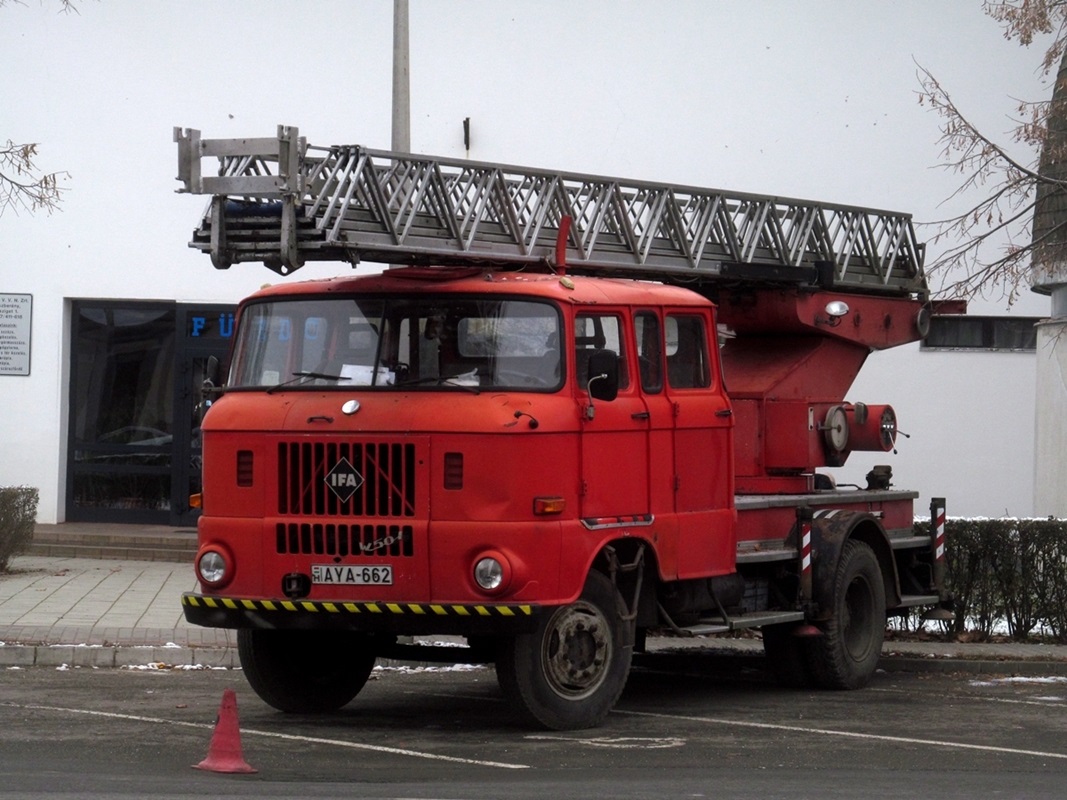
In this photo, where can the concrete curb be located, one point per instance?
(975, 666)
(82, 656)
(111, 656)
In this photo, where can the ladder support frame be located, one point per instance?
(281, 202)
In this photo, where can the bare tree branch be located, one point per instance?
(65, 6)
(1004, 213)
(22, 186)
(1011, 189)
(1025, 19)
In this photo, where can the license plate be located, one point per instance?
(352, 574)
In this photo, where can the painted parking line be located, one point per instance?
(273, 735)
(1043, 702)
(877, 737)
(613, 742)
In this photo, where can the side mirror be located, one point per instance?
(603, 375)
(211, 371)
(209, 389)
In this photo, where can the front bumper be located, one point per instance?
(381, 617)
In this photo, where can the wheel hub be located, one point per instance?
(576, 652)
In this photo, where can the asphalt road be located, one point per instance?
(695, 729)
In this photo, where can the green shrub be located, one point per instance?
(18, 512)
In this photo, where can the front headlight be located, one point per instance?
(212, 567)
(489, 574)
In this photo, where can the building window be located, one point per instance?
(122, 389)
(136, 371)
(1014, 334)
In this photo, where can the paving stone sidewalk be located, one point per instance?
(88, 612)
(82, 612)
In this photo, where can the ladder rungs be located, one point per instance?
(353, 203)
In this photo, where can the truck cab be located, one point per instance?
(431, 426)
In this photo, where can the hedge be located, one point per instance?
(1007, 575)
(18, 512)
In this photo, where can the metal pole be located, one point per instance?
(805, 592)
(401, 79)
(937, 542)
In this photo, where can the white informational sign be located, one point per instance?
(15, 311)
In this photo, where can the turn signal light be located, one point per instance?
(549, 505)
(196, 500)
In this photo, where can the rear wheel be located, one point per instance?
(847, 655)
(305, 672)
(569, 673)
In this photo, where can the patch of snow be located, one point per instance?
(1021, 679)
(161, 666)
(414, 670)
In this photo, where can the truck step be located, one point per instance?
(915, 600)
(710, 625)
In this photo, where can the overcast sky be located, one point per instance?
(804, 98)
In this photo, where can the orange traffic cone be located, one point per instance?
(224, 753)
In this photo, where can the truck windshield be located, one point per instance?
(388, 343)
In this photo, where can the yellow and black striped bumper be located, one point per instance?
(400, 618)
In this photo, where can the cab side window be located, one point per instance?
(594, 332)
(687, 352)
(649, 351)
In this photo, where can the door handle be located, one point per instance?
(724, 412)
(640, 415)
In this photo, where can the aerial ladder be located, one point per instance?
(785, 272)
(283, 202)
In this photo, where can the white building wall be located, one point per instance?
(1050, 497)
(969, 417)
(810, 99)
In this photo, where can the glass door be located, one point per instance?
(206, 331)
(135, 404)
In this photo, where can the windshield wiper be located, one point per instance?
(299, 376)
(439, 380)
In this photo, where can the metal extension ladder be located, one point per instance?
(283, 202)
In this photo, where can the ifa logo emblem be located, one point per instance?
(344, 480)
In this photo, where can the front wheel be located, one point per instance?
(569, 673)
(846, 656)
(305, 672)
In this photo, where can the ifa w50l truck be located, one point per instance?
(573, 410)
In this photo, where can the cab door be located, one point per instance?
(614, 434)
(648, 344)
(703, 444)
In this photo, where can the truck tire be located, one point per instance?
(305, 672)
(846, 656)
(788, 656)
(569, 673)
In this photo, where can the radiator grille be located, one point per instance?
(343, 540)
(384, 471)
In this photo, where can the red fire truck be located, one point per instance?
(573, 410)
